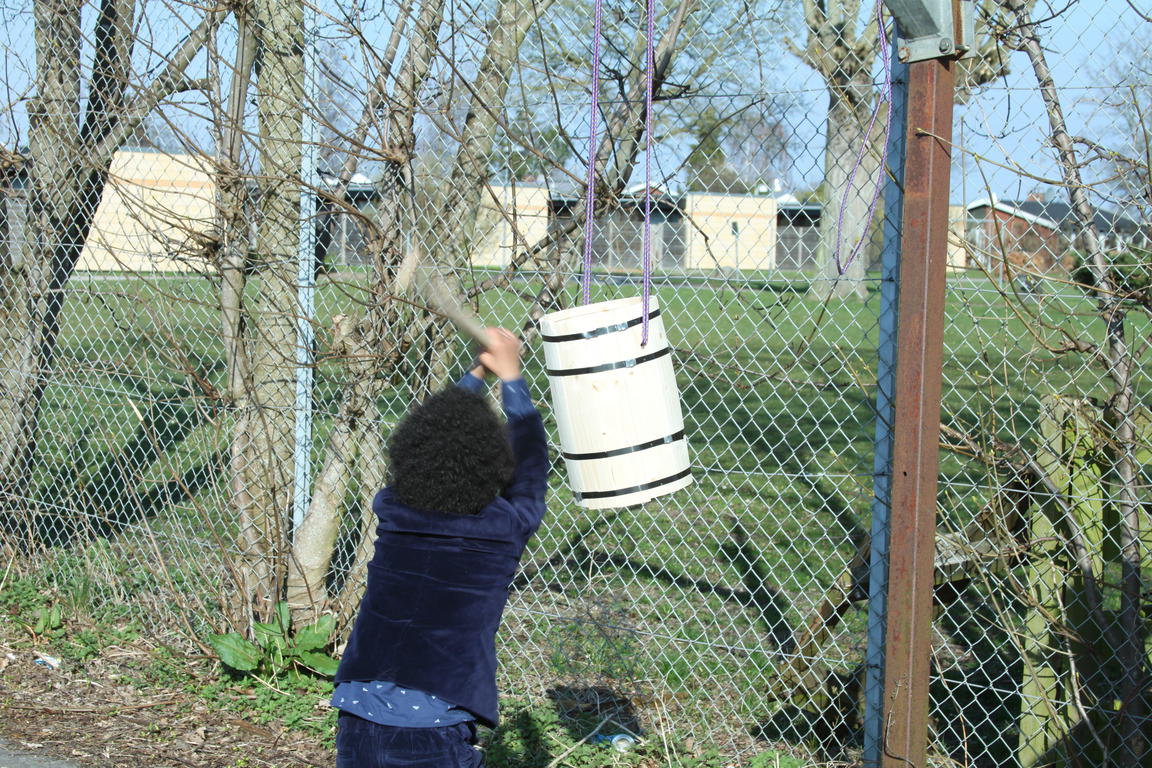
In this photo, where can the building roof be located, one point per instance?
(1055, 214)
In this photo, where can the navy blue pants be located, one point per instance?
(361, 743)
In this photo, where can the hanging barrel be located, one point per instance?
(616, 403)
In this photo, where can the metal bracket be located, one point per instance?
(932, 29)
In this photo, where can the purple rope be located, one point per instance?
(649, 65)
(590, 197)
(886, 96)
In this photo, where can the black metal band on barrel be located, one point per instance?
(600, 331)
(635, 488)
(609, 366)
(666, 440)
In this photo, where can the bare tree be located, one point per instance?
(266, 416)
(314, 545)
(80, 114)
(747, 151)
(991, 59)
(1128, 154)
(232, 243)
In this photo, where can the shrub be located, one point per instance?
(1130, 270)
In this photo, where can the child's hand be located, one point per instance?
(503, 354)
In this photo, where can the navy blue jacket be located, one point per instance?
(437, 586)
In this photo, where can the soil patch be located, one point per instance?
(85, 713)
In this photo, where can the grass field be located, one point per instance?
(687, 603)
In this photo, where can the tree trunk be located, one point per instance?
(470, 172)
(372, 478)
(1119, 413)
(315, 539)
(337, 202)
(851, 154)
(233, 209)
(468, 180)
(264, 431)
(395, 214)
(851, 179)
(65, 187)
(28, 326)
(369, 342)
(314, 546)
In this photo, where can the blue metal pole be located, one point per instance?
(885, 390)
(306, 281)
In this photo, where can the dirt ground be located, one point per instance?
(86, 714)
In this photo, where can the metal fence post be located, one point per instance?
(305, 283)
(916, 414)
(885, 384)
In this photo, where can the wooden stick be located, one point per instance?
(431, 284)
(435, 290)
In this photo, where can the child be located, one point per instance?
(464, 496)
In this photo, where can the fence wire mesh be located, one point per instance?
(207, 338)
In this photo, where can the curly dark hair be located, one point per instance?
(450, 454)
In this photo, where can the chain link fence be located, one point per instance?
(205, 346)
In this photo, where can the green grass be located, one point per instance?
(690, 594)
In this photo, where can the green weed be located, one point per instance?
(22, 596)
(278, 648)
(52, 621)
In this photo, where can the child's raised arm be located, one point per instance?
(525, 428)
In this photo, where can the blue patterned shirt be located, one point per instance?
(388, 704)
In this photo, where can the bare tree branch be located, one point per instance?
(165, 84)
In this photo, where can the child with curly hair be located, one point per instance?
(465, 494)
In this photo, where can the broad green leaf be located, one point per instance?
(268, 634)
(315, 636)
(321, 663)
(236, 652)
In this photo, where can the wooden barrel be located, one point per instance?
(616, 403)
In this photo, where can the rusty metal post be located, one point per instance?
(916, 428)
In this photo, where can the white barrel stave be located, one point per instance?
(616, 403)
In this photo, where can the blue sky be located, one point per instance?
(1007, 123)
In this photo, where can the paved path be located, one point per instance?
(12, 756)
